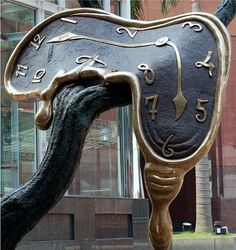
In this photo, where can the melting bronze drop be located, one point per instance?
(163, 185)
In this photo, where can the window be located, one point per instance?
(97, 173)
(51, 1)
(106, 164)
(17, 119)
(115, 7)
(72, 4)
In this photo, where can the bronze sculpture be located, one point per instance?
(192, 92)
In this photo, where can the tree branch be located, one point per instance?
(90, 4)
(226, 11)
(76, 109)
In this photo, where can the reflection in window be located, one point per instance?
(47, 14)
(72, 4)
(106, 164)
(115, 7)
(97, 174)
(17, 120)
(52, 1)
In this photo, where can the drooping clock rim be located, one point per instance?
(103, 15)
(220, 34)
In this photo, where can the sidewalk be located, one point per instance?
(219, 243)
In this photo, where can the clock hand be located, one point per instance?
(179, 101)
(64, 37)
(71, 36)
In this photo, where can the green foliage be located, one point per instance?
(185, 235)
(136, 6)
(136, 9)
(166, 4)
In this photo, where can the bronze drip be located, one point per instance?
(163, 185)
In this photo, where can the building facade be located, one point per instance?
(108, 145)
(107, 192)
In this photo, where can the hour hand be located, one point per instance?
(64, 37)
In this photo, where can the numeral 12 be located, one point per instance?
(37, 40)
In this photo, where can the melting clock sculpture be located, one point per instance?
(177, 69)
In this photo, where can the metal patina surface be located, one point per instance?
(177, 69)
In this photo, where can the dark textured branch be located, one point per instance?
(226, 11)
(90, 4)
(76, 109)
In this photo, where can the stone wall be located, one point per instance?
(91, 223)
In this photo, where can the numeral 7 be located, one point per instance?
(153, 110)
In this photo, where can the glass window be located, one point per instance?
(47, 14)
(72, 4)
(52, 1)
(17, 119)
(106, 164)
(97, 174)
(115, 7)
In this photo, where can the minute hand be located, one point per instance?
(179, 101)
(71, 36)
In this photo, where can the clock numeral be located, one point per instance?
(197, 26)
(37, 40)
(68, 20)
(167, 152)
(38, 76)
(90, 60)
(19, 68)
(120, 30)
(206, 63)
(149, 74)
(153, 110)
(203, 116)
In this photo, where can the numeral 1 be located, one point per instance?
(153, 110)
(203, 116)
(121, 29)
(37, 40)
(19, 68)
(38, 76)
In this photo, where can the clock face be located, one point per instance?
(181, 64)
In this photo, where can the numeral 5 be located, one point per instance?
(203, 116)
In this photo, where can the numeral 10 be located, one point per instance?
(38, 76)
